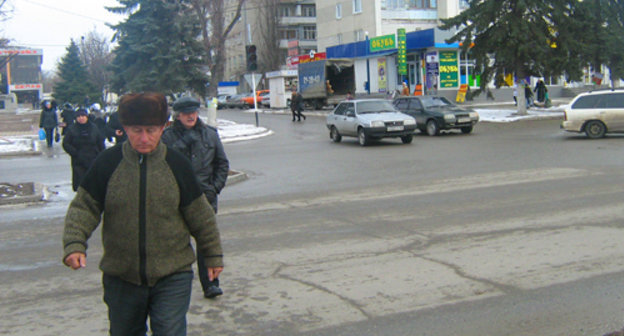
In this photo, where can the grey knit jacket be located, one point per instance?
(151, 206)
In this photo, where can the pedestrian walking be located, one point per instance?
(540, 90)
(97, 116)
(151, 205)
(296, 106)
(405, 89)
(48, 120)
(83, 142)
(68, 117)
(200, 143)
(115, 128)
(528, 95)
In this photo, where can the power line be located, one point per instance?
(63, 11)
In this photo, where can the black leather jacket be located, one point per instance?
(202, 146)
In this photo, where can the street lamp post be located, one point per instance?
(367, 65)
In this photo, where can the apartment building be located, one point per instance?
(346, 21)
(295, 29)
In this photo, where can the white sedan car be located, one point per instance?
(368, 120)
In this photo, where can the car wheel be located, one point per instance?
(595, 129)
(466, 129)
(432, 128)
(334, 135)
(362, 138)
(407, 138)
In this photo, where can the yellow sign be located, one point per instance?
(382, 43)
(461, 94)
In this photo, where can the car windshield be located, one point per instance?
(429, 102)
(374, 106)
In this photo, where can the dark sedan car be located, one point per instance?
(434, 113)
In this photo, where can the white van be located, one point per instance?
(595, 113)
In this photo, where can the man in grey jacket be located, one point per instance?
(200, 143)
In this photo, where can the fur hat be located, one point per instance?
(143, 109)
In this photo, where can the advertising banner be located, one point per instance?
(432, 71)
(381, 43)
(449, 70)
(381, 71)
(402, 51)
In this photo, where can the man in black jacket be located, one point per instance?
(83, 142)
(201, 144)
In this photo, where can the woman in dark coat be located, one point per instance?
(83, 142)
(48, 120)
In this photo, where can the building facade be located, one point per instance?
(291, 23)
(20, 69)
(346, 21)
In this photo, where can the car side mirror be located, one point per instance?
(350, 114)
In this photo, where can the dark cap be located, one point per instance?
(81, 112)
(186, 105)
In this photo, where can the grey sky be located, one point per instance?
(49, 25)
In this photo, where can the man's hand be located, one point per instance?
(78, 260)
(213, 272)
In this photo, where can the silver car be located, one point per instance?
(368, 120)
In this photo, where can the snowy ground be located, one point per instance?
(230, 131)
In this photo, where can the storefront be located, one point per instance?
(427, 63)
(21, 74)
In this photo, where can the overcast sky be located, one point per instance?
(50, 25)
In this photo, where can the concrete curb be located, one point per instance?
(235, 177)
(40, 194)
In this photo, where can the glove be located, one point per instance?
(189, 137)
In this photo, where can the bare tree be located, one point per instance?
(271, 56)
(211, 15)
(5, 13)
(96, 55)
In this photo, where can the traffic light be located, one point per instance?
(252, 58)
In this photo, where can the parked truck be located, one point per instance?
(326, 82)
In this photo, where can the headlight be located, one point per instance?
(449, 117)
(377, 123)
(473, 115)
(409, 122)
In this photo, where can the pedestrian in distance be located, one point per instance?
(68, 117)
(150, 205)
(296, 106)
(115, 128)
(48, 120)
(540, 90)
(200, 143)
(405, 89)
(528, 95)
(83, 142)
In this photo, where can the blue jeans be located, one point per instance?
(166, 304)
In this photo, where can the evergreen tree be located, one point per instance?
(157, 48)
(74, 83)
(520, 37)
(604, 35)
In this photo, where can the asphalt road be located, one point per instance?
(512, 230)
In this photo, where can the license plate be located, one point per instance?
(395, 128)
(463, 120)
